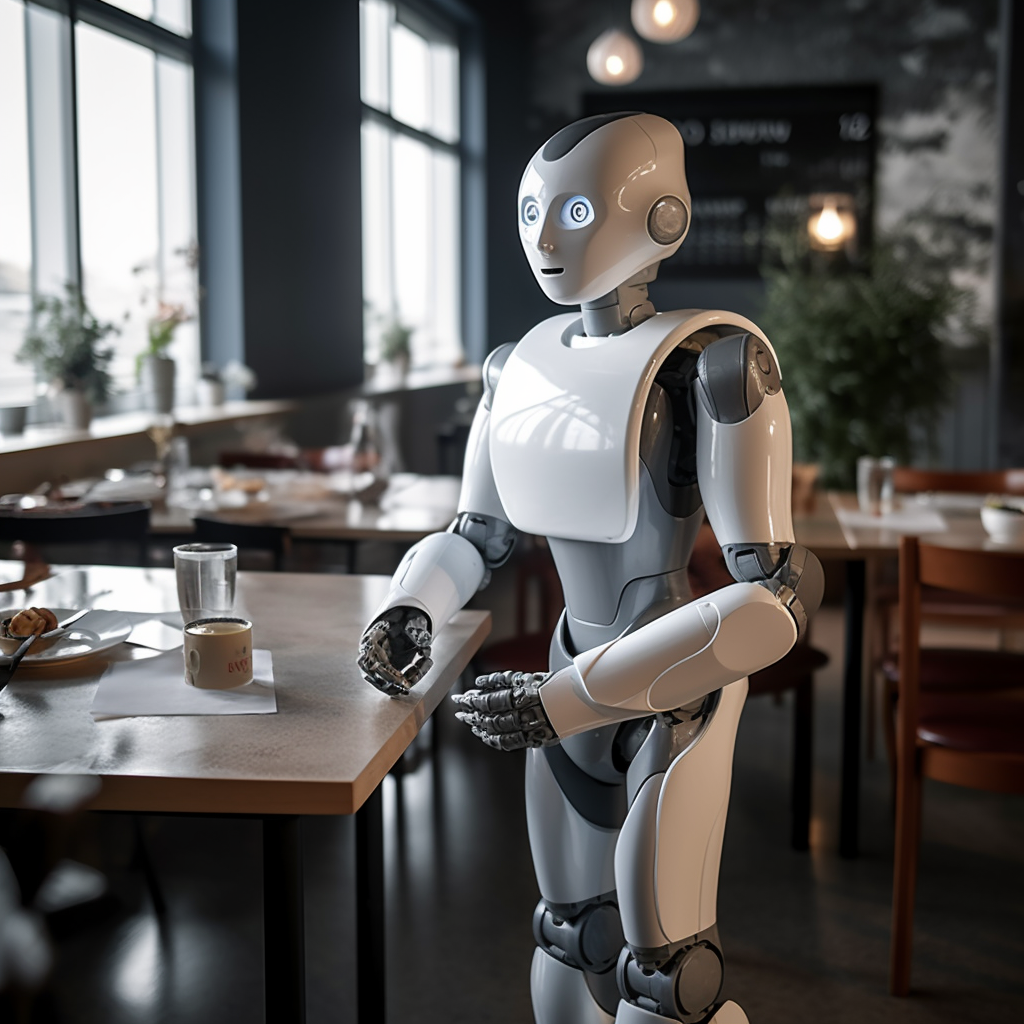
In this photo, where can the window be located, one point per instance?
(98, 185)
(412, 173)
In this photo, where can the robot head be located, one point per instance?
(604, 198)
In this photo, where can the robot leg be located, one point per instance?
(666, 869)
(573, 821)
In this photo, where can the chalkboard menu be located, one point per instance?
(757, 154)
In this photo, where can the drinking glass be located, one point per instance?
(875, 484)
(205, 574)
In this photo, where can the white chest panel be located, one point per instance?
(565, 423)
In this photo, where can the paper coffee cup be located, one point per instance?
(218, 653)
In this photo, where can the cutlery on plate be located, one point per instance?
(9, 662)
(67, 622)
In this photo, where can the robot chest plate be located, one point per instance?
(565, 427)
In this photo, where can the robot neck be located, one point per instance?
(619, 310)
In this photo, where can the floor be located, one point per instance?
(805, 934)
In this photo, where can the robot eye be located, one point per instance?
(666, 223)
(577, 212)
(530, 211)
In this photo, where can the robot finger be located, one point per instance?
(507, 679)
(515, 741)
(489, 702)
(491, 724)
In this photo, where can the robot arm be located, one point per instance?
(439, 575)
(744, 468)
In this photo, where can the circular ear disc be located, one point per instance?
(666, 223)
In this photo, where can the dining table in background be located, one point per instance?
(324, 752)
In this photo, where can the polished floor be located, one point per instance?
(805, 934)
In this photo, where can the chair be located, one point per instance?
(941, 735)
(105, 528)
(273, 543)
(937, 605)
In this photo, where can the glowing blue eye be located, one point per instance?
(530, 211)
(577, 212)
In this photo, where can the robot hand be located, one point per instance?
(505, 711)
(394, 652)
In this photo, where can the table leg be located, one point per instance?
(371, 990)
(852, 693)
(283, 925)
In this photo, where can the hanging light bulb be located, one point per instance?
(664, 21)
(614, 58)
(831, 227)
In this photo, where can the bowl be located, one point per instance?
(1003, 524)
(9, 643)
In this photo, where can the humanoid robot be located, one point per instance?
(611, 432)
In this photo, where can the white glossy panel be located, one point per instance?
(478, 493)
(691, 822)
(746, 474)
(560, 994)
(565, 423)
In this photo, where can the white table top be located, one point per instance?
(333, 739)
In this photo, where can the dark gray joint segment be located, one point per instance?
(493, 365)
(734, 375)
(601, 803)
(791, 572)
(492, 537)
(685, 986)
(585, 935)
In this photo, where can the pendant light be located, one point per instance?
(614, 58)
(833, 225)
(664, 21)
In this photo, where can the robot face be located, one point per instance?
(600, 201)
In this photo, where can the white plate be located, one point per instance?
(98, 630)
(951, 501)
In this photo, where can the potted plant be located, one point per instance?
(864, 354)
(154, 368)
(65, 346)
(395, 348)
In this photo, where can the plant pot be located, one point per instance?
(209, 393)
(392, 372)
(12, 419)
(75, 409)
(158, 383)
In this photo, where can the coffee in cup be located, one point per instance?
(218, 653)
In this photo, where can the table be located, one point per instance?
(861, 549)
(332, 741)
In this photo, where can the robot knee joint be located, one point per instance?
(684, 987)
(584, 935)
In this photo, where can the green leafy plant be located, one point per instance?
(395, 340)
(865, 355)
(64, 344)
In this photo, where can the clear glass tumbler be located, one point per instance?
(875, 492)
(205, 574)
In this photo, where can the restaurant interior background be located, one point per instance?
(294, 282)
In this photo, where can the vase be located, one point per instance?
(158, 383)
(75, 409)
(209, 393)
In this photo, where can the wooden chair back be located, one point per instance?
(908, 480)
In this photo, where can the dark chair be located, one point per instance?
(939, 606)
(259, 460)
(967, 738)
(103, 532)
(272, 544)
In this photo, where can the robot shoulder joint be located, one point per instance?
(733, 376)
(493, 365)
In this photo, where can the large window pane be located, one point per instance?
(410, 78)
(374, 21)
(15, 224)
(136, 187)
(117, 177)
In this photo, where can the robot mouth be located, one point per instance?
(551, 271)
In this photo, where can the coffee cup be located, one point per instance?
(218, 653)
